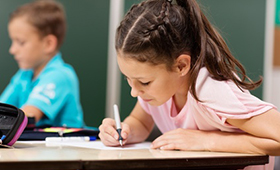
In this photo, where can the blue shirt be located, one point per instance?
(55, 92)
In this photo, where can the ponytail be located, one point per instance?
(212, 52)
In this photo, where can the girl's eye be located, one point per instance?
(145, 84)
(142, 83)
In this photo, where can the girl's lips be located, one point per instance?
(147, 100)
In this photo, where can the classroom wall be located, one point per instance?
(240, 22)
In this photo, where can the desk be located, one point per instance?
(39, 156)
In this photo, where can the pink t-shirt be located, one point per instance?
(220, 100)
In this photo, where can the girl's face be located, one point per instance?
(27, 46)
(154, 84)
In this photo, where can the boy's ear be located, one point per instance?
(183, 64)
(50, 43)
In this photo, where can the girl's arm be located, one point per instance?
(264, 133)
(263, 136)
(140, 123)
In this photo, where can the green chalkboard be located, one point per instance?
(277, 13)
(86, 48)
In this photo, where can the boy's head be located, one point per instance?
(47, 16)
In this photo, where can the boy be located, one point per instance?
(44, 87)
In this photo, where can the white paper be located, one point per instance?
(30, 142)
(100, 145)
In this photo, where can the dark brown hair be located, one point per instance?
(47, 16)
(158, 31)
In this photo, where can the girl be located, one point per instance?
(187, 82)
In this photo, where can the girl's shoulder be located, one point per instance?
(209, 89)
(226, 96)
(205, 83)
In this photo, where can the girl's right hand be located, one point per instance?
(109, 135)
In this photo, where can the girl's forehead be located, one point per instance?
(128, 63)
(136, 69)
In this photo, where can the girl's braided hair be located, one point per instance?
(158, 31)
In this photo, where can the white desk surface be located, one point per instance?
(38, 152)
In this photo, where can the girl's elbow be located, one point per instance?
(274, 149)
(277, 149)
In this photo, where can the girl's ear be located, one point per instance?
(50, 43)
(183, 64)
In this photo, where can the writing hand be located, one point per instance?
(108, 134)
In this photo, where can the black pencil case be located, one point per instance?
(41, 134)
(12, 123)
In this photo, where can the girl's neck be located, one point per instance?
(179, 102)
(180, 98)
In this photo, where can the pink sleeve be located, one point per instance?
(226, 100)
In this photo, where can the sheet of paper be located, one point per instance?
(30, 142)
(100, 145)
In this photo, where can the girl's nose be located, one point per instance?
(135, 91)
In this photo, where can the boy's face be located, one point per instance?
(27, 46)
(154, 84)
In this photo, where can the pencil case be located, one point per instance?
(12, 123)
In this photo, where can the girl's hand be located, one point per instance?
(181, 139)
(109, 135)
